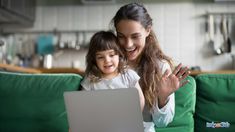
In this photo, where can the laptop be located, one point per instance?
(113, 110)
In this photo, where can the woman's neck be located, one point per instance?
(134, 63)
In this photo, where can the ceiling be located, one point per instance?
(94, 2)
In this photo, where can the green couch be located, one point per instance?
(205, 104)
(34, 103)
(185, 99)
(215, 104)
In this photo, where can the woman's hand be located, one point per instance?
(171, 82)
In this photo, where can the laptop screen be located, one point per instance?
(116, 110)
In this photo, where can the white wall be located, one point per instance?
(180, 28)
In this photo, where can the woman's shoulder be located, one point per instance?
(162, 62)
(163, 65)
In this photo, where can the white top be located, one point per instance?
(162, 117)
(126, 80)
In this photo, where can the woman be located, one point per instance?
(133, 26)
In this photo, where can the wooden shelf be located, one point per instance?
(6, 67)
(62, 70)
(13, 68)
(195, 73)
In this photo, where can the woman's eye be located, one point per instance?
(120, 38)
(136, 37)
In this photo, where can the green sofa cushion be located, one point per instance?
(34, 102)
(215, 104)
(185, 99)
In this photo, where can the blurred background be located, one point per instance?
(56, 33)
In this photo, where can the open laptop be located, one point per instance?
(116, 110)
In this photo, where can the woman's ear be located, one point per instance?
(148, 30)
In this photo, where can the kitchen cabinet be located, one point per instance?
(17, 13)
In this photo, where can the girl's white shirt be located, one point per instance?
(127, 79)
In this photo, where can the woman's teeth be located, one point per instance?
(131, 49)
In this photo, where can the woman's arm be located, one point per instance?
(164, 112)
(163, 116)
(171, 82)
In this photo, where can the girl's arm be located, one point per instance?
(141, 96)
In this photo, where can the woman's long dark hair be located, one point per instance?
(148, 66)
(100, 41)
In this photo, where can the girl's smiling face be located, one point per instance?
(107, 61)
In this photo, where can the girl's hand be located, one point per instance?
(171, 83)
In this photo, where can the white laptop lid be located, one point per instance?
(116, 110)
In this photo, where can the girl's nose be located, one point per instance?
(107, 59)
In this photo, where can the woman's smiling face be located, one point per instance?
(131, 35)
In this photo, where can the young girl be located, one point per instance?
(106, 67)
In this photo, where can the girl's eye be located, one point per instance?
(112, 55)
(99, 57)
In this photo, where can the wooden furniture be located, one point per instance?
(62, 70)
(6, 67)
(194, 73)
